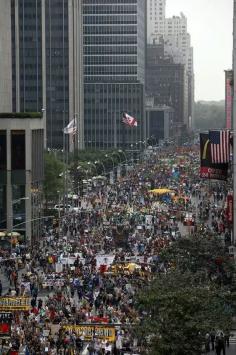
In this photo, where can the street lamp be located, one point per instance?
(122, 152)
(19, 199)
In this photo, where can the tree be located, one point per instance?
(53, 178)
(205, 254)
(195, 296)
(209, 115)
(179, 311)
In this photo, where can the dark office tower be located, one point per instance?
(26, 55)
(57, 69)
(167, 83)
(45, 76)
(114, 35)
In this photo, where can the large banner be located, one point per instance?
(15, 303)
(207, 169)
(104, 332)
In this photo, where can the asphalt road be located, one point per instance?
(229, 351)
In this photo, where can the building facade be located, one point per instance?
(5, 57)
(156, 14)
(21, 175)
(166, 82)
(114, 35)
(177, 44)
(158, 120)
(46, 63)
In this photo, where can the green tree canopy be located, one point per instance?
(179, 307)
(179, 312)
(200, 253)
(53, 178)
(209, 115)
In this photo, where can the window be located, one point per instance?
(18, 150)
(3, 150)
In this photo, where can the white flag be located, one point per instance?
(70, 128)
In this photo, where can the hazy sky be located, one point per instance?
(210, 23)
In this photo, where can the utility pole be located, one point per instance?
(234, 124)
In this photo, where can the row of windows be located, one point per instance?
(111, 79)
(110, 9)
(114, 50)
(121, 88)
(100, 20)
(95, 40)
(110, 70)
(110, 30)
(99, 2)
(112, 60)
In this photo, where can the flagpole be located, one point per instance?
(234, 126)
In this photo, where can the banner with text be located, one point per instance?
(106, 332)
(15, 303)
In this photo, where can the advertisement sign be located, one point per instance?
(207, 169)
(90, 331)
(15, 304)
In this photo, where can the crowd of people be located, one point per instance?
(83, 278)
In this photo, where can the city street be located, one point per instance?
(112, 243)
(117, 177)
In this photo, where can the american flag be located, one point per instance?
(129, 120)
(220, 152)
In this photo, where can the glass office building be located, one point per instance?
(21, 175)
(114, 35)
(40, 62)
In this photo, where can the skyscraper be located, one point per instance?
(156, 13)
(47, 71)
(5, 57)
(177, 44)
(166, 83)
(114, 63)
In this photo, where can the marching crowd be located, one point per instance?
(90, 269)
